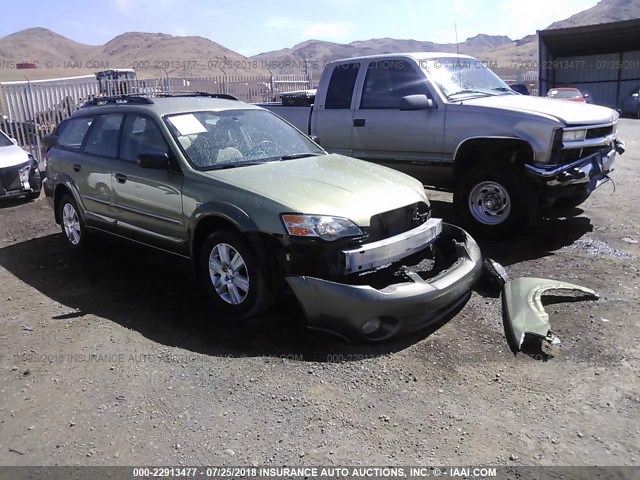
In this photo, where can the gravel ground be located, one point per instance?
(115, 358)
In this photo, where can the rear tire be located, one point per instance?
(495, 200)
(232, 276)
(72, 224)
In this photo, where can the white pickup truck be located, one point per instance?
(452, 123)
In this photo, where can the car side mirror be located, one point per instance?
(155, 161)
(15, 142)
(416, 102)
(635, 95)
(50, 140)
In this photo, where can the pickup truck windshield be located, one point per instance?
(235, 138)
(459, 78)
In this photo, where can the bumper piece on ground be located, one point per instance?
(363, 312)
(523, 313)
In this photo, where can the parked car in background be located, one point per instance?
(452, 123)
(257, 206)
(19, 171)
(520, 88)
(631, 104)
(566, 93)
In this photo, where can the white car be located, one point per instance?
(19, 172)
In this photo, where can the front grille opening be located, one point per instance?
(599, 132)
(397, 221)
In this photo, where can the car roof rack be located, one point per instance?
(197, 93)
(146, 98)
(117, 100)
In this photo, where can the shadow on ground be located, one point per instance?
(157, 295)
(555, 230)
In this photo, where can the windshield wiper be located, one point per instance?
(300, 155)
(466, 92)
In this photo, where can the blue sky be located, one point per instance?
(254, 26)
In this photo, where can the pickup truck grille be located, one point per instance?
(400, 220)
(599, 132)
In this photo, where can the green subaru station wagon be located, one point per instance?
(258, 207)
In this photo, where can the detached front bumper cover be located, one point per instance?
(522, 310)
(364, 312)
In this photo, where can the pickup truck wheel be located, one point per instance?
(73, 227)
(232, 276)
(495, 201)
(565, 203)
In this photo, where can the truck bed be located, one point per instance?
(297, 116)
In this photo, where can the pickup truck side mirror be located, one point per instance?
(416, 102)
(49, 140)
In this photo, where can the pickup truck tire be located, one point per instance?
(495, 201)
(232, 276)
(73, 227)
(573, 201)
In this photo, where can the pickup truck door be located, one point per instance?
(332, 116)
(148, 201)
(408, 140)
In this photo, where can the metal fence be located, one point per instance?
(30, 110)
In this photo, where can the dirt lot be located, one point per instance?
(115, 358)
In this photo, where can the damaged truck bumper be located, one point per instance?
(367, 313)
(587, 172)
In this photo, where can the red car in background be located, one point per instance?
(567, 93)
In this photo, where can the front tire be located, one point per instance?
(495, 201)
(72, 224)
(232, 276)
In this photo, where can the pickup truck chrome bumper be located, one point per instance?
(589, 170)
(364, 312)
(389, 250)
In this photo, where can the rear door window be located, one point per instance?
(341, 85)
(102, 139)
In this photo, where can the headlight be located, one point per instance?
(574, 135)
(322, 226)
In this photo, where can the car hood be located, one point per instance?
(12, 155)
(571, 113)
(327, 185)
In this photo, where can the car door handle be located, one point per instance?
(76, 167)
(121, 178)
(359, 122)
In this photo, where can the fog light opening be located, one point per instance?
(371, 326)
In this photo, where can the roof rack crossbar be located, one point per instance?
(114, 100)
(196, 93)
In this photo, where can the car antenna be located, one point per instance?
(455, 27)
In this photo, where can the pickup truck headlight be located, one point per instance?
(574, 135)
(322, 226)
